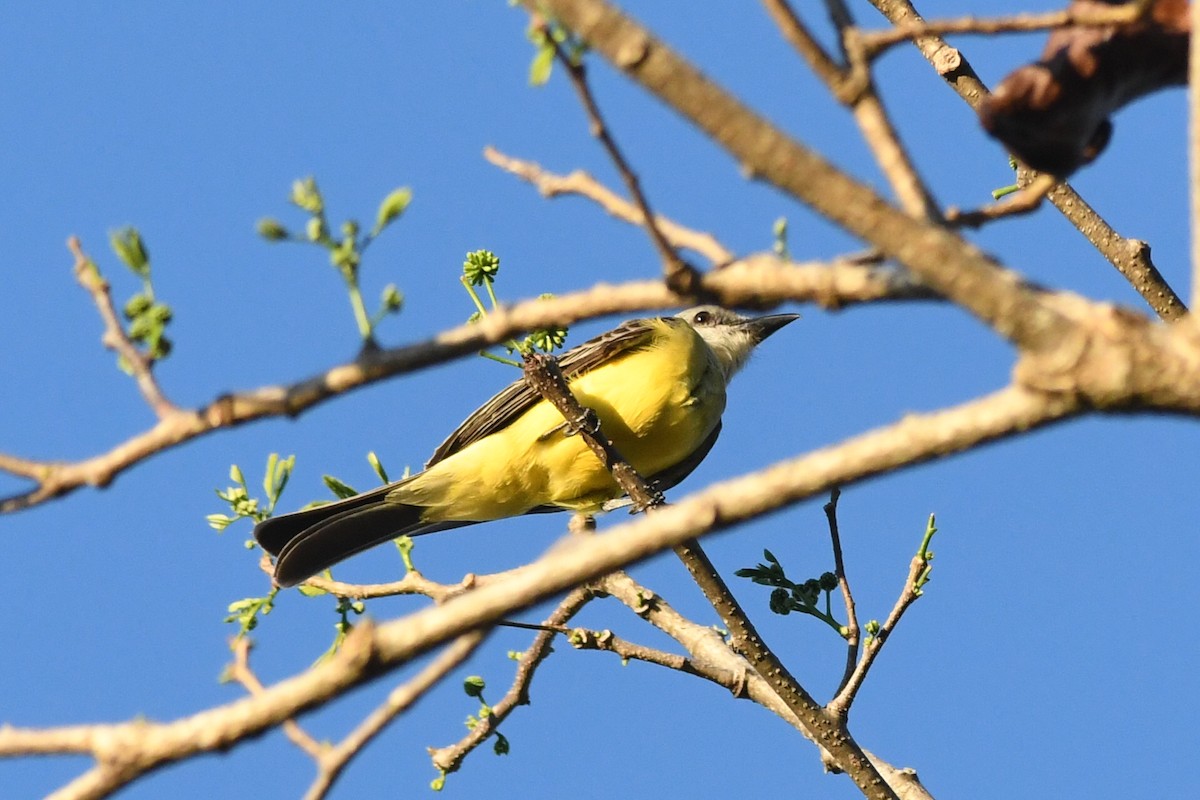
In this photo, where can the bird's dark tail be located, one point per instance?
(306, 542)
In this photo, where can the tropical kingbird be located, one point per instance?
(657, 386)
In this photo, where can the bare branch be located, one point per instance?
(241, 672)
(758, 281)
(334, 760)
(114, 337)
(854, 88)
(875, 42)
(839, 569)
(448, 759)
(715, 661)
(680, 276)
(941, 258)
(581, 183)
(1130, 256)
(127, 751)
(1029, 198)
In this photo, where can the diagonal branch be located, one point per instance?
(1130, 256)
(133, 749)
(448, 759)
(581, 183)
(680, 276)
(854, 88)
(753, 282)
(940, 257)
(114, 337)
(334, 760)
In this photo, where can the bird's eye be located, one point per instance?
(702, 317)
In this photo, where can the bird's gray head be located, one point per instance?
(731, 336)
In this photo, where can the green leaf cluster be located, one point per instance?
(147, 317)
(799, 596)
(473, 686)
(242, 505)
(549, 37)
(346, 249)
(481, 268)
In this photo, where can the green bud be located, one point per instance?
(127, 244)
(160, 313)
(218, 521)
(392, 207)
(350, 229)
(481, 266)
(340, 489)
(345, 255)
(500, 748)
(272, 230)
(393, 298)
(137, 305)
(140, 328)
(780, 602)
(307, 196)
(377, 465)
(316, 230)
(829, 581)
(474, 686)
(161, 348)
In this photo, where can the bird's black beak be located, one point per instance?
(762, 327)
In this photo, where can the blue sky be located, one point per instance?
(1044, 660)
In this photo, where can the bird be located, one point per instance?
(657, 386)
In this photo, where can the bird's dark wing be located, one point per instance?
(674, 475)
(517, 398)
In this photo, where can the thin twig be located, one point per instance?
(609, 642)
(582, 184)
(917, 572)
(832, 74)
(241, 672)
(839, 569)
(761, 280)
(854, 89)
(1130, 256)
(876, 42)
(681, 277)
(333, 760)
(449, 758)
(115, 337)
(1029, 198)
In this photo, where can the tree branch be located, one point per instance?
(757, 281)
(680, 276)
(1130, 256)
(132, 749)
(582, 184)
(954, 268)
(114, 337)
(854, 88)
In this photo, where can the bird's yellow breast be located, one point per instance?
(657, 403)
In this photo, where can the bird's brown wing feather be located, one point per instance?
(517, 398)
